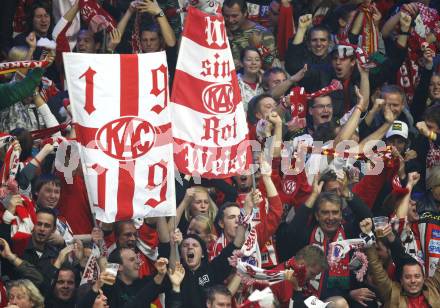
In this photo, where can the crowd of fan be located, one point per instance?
(47, 230)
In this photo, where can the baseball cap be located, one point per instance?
(398, 128)
(343, 51)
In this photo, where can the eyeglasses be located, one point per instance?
(322, 107)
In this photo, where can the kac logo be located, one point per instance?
(218, 98)
(126, 138)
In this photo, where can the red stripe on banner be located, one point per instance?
(86, 135)
(203, 94)
(129, 85)
(206, 30)
(212, 162)
(129, 105)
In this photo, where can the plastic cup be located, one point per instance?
(112, 269)
(379, 224)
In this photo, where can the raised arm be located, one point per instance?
(152, 8)
(390, 117)
(284, 86)
(380, 277)
(350, 127)
(403, 205)
(303, 23)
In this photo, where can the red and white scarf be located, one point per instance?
(338, 275)
(369, 36)
(8, 67)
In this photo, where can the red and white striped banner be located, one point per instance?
(209, 123)
(122, 121)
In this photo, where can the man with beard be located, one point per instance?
(64, 289)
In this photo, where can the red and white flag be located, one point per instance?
(122, 121)
(209, 123)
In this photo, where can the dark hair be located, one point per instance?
(245, 50)
(221, 214)
(26, 141)
(115, 255)
(217, 289)
(267, 73)
(340, 12)
(117, 226)
(432, 114)
(201, 242)
(325, 131)
(406, 260)
(328, 175)
(30, 14)
(98, 37)
(318, 28)
(151, 28)
(45, 179)
(47, 210)
(66, 267)
(241, 3)
(327, 197)
(253, 107)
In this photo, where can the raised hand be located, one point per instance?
(14, 201)
(305, 21)
(388, 114)
(265, 167)
(31, 40)
(423, 128)
(362, 103)
(366, 225)
(413, 179)
(405, 21)
(6, 251)
(362, 296)
(428, 56)
(317, 185)
(275, 118)
(161, 266)
(299, 74)
(114, 39)
(176, 237)
(176, 276)
(149, 6)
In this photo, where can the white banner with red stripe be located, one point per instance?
(209, 123)
(123, 125)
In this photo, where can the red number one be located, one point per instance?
(102, 173)
(89, 74)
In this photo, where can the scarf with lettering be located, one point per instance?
(369, 33)
(95, 16)
(338, 275)
(8, 67)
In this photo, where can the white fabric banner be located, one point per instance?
(122, 121)
(209, 123)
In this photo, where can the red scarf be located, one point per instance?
(417, 302)
(338, 276)
(369, 32)
(286, 29)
